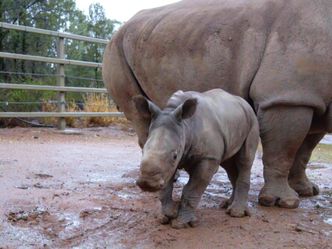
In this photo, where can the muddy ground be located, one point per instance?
(78, 191)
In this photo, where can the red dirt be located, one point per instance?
(78, 191)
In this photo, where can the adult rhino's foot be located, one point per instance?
(304, 187)
(238, 210)
(278, 195)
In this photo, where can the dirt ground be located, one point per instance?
(78, 191)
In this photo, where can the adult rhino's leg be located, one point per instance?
(297, 178)
(199, 177)
(283, 130)
(123, 86)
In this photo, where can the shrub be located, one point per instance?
(101, 103)
(91, 103)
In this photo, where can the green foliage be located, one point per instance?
(25, 100)
(60, 15)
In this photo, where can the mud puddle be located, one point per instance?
(326, 140)
(61, 191)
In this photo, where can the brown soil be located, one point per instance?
(78, 191)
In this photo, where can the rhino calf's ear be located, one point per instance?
(145, 107)
(142, 105)
(186, 110)
(189, 108)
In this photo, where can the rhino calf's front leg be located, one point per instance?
(169, 208)
(200, 177)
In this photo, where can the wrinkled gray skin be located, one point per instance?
(198, 132)
(276, 54)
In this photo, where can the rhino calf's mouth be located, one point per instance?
(150, 186)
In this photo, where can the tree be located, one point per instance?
(60, 15)
(96, 25)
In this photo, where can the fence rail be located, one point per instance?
(59, 114)
(61, 88)
(52, 33)
(52, 88)
(49, 60)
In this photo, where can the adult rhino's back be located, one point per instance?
(197, 45)
(200, 45)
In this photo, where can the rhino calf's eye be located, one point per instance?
(175, 156)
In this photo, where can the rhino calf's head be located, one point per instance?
(165, 144)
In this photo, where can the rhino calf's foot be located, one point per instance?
(186, 215)
(281, 195)
(304, 187)
(226, 203)
(165, 220)
(170, 212)
(180, 223)
(238, 210)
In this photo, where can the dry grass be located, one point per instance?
(91, 103)
(101, 103)
(49, 107)
(52, 107)
(72, 122)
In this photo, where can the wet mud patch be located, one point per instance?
(86, 197)
(42, 176)
(27, 217)
(318, 165)
(7, 162)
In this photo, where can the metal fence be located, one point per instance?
(61, 88)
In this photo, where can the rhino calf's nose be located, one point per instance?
(149, 171)
(150, 186)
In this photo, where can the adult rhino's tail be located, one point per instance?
(122, 84)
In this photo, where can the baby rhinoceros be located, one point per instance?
(197, 132)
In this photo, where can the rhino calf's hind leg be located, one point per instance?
(232, 174)
(283, 130)
(243, 162)
(200, 176)
(298, 179)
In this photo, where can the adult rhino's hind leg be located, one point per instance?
(283, 130)
(122, 86)
(298, 179)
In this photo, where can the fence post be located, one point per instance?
(61, 82)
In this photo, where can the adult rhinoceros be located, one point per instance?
(277, 54)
